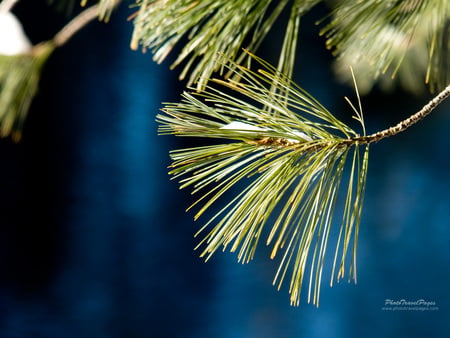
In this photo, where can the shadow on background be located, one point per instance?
(94, 241)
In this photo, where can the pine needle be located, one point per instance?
(105, 9)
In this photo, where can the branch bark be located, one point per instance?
(405, 124)
(79, 22)
(7, 5)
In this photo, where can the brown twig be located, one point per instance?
(317, 144)
(405, 124)
(77, 23)
(7, 5)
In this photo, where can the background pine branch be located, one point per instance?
(19, 79)
(213, 27)
(407, 40)
(21, 64)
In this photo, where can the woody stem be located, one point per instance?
(405, 124)
(7, 5)
(77, 23)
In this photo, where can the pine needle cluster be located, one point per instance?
(19, 79)
(407, 39)
(292, 159)
(209, 27)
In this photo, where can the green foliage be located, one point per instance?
(19, 79)
(291, 157)
(212, 27)
(409, 39)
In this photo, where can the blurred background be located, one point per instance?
(94, 240)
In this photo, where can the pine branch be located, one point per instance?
(293, 156)
(20, 73)
(293, 162)
(405, 124)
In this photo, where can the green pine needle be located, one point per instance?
(408, 39)
(290, 152)
(19, 78)
(106, 8)
(210, 27)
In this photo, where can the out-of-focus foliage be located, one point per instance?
(19, 79)
(405, 40)
(209, 27)
(408, 40)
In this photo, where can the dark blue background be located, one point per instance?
(94, 241)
